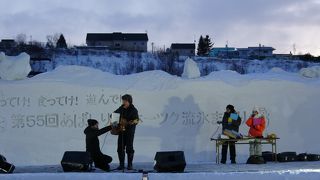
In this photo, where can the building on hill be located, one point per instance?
(119, 41)
(256, 52)
(224, 52)
(7, 43)
(183, 49)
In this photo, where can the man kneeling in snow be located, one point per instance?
(92, 132)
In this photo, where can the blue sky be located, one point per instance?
(277, 23)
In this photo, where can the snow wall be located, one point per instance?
(42, 117)
(123, 63)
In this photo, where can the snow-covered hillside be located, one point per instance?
(44, 116)
(123, 63)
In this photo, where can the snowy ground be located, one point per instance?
(197, 168)
(294, 170)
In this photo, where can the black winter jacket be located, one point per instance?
(92, 140)
(230, 126)
(130, 114)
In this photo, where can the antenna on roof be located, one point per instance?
(294, 48)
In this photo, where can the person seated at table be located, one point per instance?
(231, 121)
(257, 124)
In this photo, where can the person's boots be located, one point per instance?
(232, 148)
(224, 153)
(121, 157)
(130, 159)
(258, 149)
(252, 148)
(107, 168)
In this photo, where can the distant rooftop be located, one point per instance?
(117, 36)
(7, 40)
(261, 47)
(183, 46)
(256, 48)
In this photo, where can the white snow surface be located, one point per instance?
(68, 176)
(311, 72)
(14, 67)
(44, 116)
(278, 171)
(190, 69)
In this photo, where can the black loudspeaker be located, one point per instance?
(171, 161)
(302, 157)
(76, 161)
(313, 157)
(287, 157)
(256, 160)
(5, 167)
(269, 156)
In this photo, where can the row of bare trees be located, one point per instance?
(56, 40)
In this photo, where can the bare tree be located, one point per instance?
(50, 43)
(21, 39)
(52, 40)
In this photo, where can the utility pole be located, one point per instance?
(259, 50)
(152, 45)
(227, 46)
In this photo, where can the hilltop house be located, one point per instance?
(7, 43)
(245, 53)
(119, 41)
(224, 52)
(183, 49)
(255, 52)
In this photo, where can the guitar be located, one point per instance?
(121, 126)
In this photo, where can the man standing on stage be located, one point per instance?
(129, 118)
(92, 132)
(231, 121)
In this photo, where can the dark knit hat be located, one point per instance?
(92, 122)
(127, 97)
(231, 107)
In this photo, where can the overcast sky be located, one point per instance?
(277, 23)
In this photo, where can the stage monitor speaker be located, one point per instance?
(5, 167)
(76, 161)
(170, 161)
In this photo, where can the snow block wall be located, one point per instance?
(190, 69)
(14, 67)
(122, 63)
(312, 72)
(42, 117)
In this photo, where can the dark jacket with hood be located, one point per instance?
(234, 125)
(92, 140)
(130, 114)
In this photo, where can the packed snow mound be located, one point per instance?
(155, 80)
(312, 72)
(190, 69)
(277, 70)
(14, 67)
(82, 75)
(223, 73)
